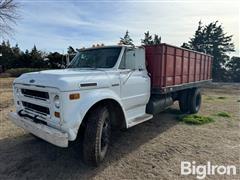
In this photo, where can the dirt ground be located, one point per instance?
(151, 150)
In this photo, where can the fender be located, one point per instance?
(79, 108)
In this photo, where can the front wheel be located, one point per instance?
(97, 136)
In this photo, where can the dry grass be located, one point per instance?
(151, 150)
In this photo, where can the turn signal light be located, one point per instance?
(57, 114)
(74, 96)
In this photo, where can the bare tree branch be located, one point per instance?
(8, 16)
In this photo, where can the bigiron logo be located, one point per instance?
(201, 171)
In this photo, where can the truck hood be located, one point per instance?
(67, 79)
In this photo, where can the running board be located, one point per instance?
(139, 120)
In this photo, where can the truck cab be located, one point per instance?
(103, 88)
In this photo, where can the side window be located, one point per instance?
(128, 60)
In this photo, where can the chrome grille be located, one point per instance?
(35, 94)
(36, 108)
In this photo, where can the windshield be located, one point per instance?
(96, 58)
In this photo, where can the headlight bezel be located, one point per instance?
(56, 101)
(17, 90)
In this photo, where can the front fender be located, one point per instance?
(74, 111)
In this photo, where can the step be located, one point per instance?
(139, 120)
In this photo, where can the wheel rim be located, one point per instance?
(105, 136)
(198, 102)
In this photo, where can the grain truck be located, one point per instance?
(106, 88)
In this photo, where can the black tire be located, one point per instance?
(97, 136)
(195, 100)
(184, 102)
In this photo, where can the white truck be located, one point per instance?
(102, 88)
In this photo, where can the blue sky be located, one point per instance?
(54, 25)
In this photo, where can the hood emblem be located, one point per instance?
(32, 81)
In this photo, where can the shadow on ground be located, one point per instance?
(26, 157)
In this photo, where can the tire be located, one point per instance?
(195, 100)
(184, 102)
(97, 136)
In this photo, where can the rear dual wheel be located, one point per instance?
(190, 101)
(195, 100)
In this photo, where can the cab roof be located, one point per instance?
(108, 46)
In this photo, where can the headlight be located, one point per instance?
(56, 101)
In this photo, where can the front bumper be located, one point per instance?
(42, 131)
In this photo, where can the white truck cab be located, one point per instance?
(102, 88)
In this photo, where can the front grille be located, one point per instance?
(35, 94)
(34, 107)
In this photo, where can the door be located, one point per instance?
(134, 79)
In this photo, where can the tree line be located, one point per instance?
(210, 39)
(14, 57)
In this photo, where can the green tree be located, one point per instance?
(16, 50)
(37, 60)
(148, 40)
(126, 40)
(17, 54)
(7, 59)
(233, 69)
(13, 57)
(55, 60)
(8, 44)
(25, 59)
(157, 39)
(212, 39)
